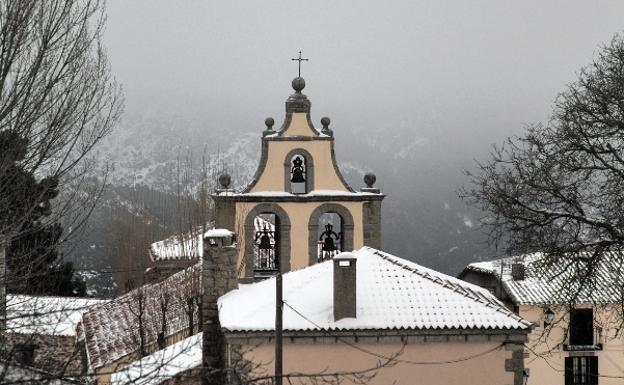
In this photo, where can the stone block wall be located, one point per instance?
(372, 224)
(219, 276)
(53, 354)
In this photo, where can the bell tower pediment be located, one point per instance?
(308, 211)
(297, 141)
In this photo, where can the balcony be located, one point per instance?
(576, 341)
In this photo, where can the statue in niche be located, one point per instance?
(298, 171)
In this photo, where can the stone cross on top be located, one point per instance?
(299, 60)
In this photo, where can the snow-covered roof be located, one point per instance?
(27, 314)
(392, 293)
(163, 364)
(190, 245)
(182, 246)
(546, 282)
(218, 233)
(112, 330)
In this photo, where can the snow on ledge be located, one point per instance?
(218, 233)
(313, 193)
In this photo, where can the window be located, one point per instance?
(25, 353)
(581, 327)
(549, 317)
(581, 370)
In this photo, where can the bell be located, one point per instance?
(265, 241)
(328, 244)
(328, 238)
(297, 171)
(297, 177)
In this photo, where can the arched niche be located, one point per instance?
(346, 220)
(308, 164)
(282, 233)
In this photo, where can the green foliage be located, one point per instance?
(33, 263)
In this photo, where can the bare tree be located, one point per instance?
(138, 307)
(58, 99)
(559, 189)
(56, 90)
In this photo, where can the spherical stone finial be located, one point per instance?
(370, 179)
(269, 123)
(325, 122)
(298, 84)
(224, 181)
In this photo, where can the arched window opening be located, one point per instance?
(330, 236)
(298, 174)
(266, 244)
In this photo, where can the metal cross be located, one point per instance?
(299, 60)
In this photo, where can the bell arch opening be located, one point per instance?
(330, 236)
(266, 244)
(298, 172)
(330, 232)
(267, 241)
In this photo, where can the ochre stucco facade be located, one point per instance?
(546, 356)
(443, 360)
(320, 148)
(299, 216)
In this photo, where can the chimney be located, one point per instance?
(345, 282)
(517, 271)
(218, 278)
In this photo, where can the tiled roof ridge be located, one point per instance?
(30, 296)
(544, 282)
(528, 259)
(157, 258)
(461, 289)
(182, 237)
(146, 287)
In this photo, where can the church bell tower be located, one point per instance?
(298, 209)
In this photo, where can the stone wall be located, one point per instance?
(2, 285)
(53, 354)
(189, 377)
(219, 276)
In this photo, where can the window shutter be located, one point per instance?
(569, 376)
(593, 370)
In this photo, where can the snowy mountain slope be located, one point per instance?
(422, 216)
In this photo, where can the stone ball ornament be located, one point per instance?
(298, 84)
(370, 179)
(225, 180)
(269, 123)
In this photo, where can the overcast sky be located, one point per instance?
(460, 72)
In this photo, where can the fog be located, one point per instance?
(445, 79)
(471, 70)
